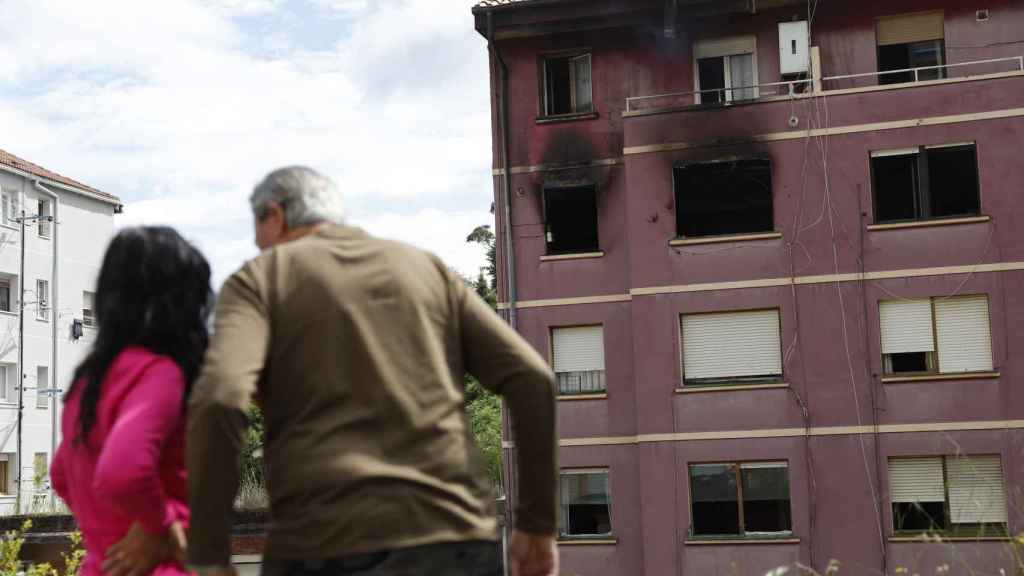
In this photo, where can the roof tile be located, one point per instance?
(8, 159)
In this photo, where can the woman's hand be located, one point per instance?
(138, 553)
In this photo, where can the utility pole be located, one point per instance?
(21, 345)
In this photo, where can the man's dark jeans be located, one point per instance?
(455, 559)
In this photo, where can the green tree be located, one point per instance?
(483, 407)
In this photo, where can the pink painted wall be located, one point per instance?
(834, 512)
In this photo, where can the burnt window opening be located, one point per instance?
(911, 55)
(926, 183)
(567, 85)
(718, 198)
(570, 219)
(740, 499)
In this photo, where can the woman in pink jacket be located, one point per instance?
(120, 466)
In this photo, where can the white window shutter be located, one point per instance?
(731, 345)
(916, 480)
(906, 326)
(965, 341)
(976, 494)
(578, 349)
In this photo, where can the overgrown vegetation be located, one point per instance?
(10, 555)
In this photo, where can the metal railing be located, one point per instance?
(794, 87)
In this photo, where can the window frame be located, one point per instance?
(42, 299)
(88, 320)
(44, 226)
(562, 536)
(951, 530)
(934, 359)
(570, 54)
(9, 281)
(724, 47)
(10, 201)
(737, 469)
(551, 361)
(733, 380)
(42, 399)
(922, 196)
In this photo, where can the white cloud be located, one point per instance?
(177, 111)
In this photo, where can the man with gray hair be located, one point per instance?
(356, 349)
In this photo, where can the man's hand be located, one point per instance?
(532, 555)
(139, 552)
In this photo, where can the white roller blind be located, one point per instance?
(909, 28)
(916, 480)
(962, 330)
(731, 345)
(578, 349)
(976, 492)
(719, 47)
(906, 326)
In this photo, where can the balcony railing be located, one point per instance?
(792, 88)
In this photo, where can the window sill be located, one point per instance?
(930, 223)
(44, 320)
(940, 377)
(9, 227)
(577, 397)
(8, 313)
(722, 239)
(740, 541)
(566, 118)
(577, 256)
(939, 539)
(692, 389)
(588, 541)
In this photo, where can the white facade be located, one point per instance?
(83, 228)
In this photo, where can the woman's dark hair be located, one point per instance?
(154, 292)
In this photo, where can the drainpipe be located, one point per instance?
(510, 264)
(510, 268)
(55, 316)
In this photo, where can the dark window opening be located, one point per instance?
(711, 76)
(908, 56)
(724, 198)
(570, 216)
(567, 85)
(919, 516)
(909, 362)
(740, 500)
(716, 508)
(580, 382)
(928, 183)
(766, 499)
(585, 505)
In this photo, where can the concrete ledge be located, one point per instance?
(572, 397)
(730, 388)
(930, 223)
(566, 118)
(944, 539)
(940, 377)
(580, 256)
(741, 541)
(722, 239)
(589, 542)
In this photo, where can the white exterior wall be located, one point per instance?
(84, 227)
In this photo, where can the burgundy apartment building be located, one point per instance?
(774, 250)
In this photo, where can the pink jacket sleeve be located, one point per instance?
(128, 469)
(58, 477)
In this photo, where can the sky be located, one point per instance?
(179, 107)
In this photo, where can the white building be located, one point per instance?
(75, 223)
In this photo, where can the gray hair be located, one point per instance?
(306, 196)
